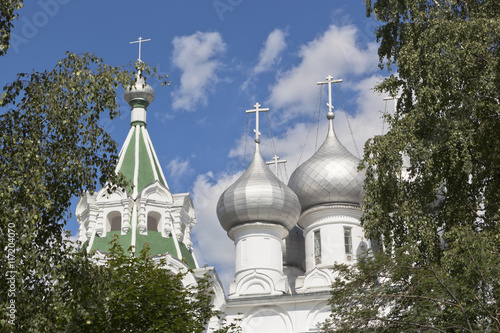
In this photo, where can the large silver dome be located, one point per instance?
(329, 176)
(258, 196)
(140, 91)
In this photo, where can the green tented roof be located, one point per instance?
(128, 165)
(103, 243)
(157, 243)
(138, 161)
(147, 167)
(157, 166)
(160, 245)
(187, 256)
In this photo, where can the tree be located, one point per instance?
(8, 14)
(401, 292)
(438, 217)
(53, 147)
(132, 294)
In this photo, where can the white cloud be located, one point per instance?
(163, 117)
(178, 168)
(269, 54)
(367, 121)
(299, 142)
(291, 146)
(196, 56)
(212, 245)
(296, 145)
(336, 53)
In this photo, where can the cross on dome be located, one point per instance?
(257, 110)
(140, 41)
(275, 161)
(329, 81)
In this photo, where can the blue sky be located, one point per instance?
(222, 56)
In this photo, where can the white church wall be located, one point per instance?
(259, 260)
(280, 314)
(331, 222)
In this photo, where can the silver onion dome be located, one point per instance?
(329, 176)
(140, 91)
(258, 196)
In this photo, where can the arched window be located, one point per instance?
(183, 231)
(153, 221)
(317, 246)
(348, 240)
(114, 221)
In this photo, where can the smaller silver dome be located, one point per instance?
(329, 176)
(141, 91)
(258, 196)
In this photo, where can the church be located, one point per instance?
(287, 236)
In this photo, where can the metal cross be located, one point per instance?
(275, 162)
(140, 43)
(257, 110)
(329, 81)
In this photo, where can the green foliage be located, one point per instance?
(448, 72)
(433, 181)
(53, 147)
(132, 294)
(405, 293)
(8, 13)
(124, 293)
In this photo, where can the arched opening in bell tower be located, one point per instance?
(114, 221)
(153, 221)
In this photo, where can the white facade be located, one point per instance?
(303, 306)
(283, 314)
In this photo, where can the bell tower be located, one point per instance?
(145, 211)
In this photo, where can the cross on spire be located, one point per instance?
(275, 161)
(140, 41)
(329, 81)
(257, 110)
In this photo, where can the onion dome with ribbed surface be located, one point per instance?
(258, 196)
(140, 91)
(329, 176)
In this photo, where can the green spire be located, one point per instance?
(137, 160)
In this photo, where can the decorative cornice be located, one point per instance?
(139, 103)
(261, 226)
(139, 123)
(330, 214)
